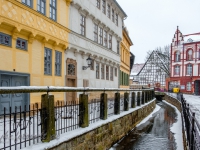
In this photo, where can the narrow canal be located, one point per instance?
(155, 134)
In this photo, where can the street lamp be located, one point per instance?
(89, 62)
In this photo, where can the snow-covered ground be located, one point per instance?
(176, 128)
(194, 103)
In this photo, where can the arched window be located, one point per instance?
(189, 55)
(189, 69)
(177, 56)
(177, 70)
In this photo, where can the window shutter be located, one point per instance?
(120, 77)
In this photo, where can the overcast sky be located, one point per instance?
(152, 23)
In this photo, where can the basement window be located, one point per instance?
(5, 39)
(21, 44)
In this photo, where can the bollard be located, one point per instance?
(142, 97)
(138, 98)
(48, 131)
(126, 101)
(103, 106)
(117, 104)
(83, 111)
(133, 100)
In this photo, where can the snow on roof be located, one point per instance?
(136, 69)
(191, 38)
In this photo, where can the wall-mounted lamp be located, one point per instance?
(89, 62)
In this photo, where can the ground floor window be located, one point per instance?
(188, 86)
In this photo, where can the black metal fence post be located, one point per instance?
(83, 111)
(142, 97)
(133, 100)
(103, 106)
(117, 104)
(146, 96)
(126, 101)
(48, 131)
(192, 133)
(138, 98)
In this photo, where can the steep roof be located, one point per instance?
(162, 66)
(136, 69)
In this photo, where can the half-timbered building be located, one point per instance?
(154, 72)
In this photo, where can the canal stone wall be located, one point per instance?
(177, 104)
(173, 101)
(103, 137)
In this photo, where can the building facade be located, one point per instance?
(96, 34)
(153, 73)
(125, 45)
(185, 62)
(34, 36)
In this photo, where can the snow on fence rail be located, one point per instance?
(23, 126)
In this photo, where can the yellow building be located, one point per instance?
(125, 59)
(33, 38)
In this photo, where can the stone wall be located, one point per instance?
(177, 104)
(104, 137)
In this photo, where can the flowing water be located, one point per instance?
(155, 134)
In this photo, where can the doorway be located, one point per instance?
(197, 87)
(15, 100)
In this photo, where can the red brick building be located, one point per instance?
(185, 63)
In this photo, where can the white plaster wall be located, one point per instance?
(81, 47)
(90, 7)
(91, 74)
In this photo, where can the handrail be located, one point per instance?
(36, 89)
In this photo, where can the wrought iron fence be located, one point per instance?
(94, 110)
(111, 106)
(191, 125)
(23, 127)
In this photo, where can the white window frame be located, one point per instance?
(104, 6)
(105, 39)
(97, 70)
(100, 35)
(189, 86)
(95, 32)
(82, 25)
(189, 69)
